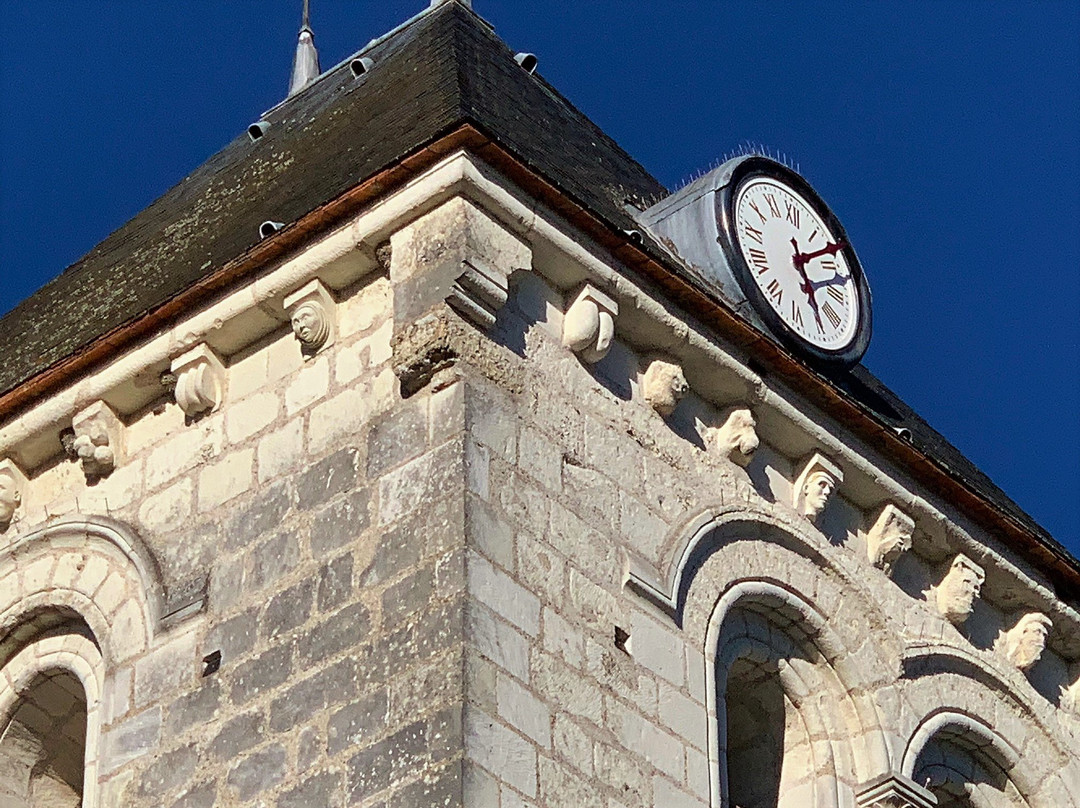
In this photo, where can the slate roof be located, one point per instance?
(444, 70)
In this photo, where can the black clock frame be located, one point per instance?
(750, 169)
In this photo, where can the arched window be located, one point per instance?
(777, 697)
(50, 692)
(965, 768)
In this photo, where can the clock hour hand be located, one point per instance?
(802, 259)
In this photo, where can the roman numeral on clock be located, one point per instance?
(829, 312)
(792, 213)
(753, 232)
(774, 290)
(837, 294)
(760, 260)
(829, 264)
(772, 205)
(796, 314)
(757, 210)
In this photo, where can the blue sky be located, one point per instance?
(945, 135)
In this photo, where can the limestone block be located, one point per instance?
(890, 537)
(1025, 642)
(589, 324)
(818, 481)
(200, 380)
(957, 591)
(312, 312)
(98, 439)
(737, 439)
(455, 253)
(12, 485)
(664, 386)
(1071, 699)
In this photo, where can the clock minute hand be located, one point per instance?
(802, 259)
(805, 286)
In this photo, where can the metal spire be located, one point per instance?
(305, 67)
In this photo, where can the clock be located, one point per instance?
(794, 263)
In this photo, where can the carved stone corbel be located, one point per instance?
(737, 439)
(894, 791)
(459, 254)
(1025, 642)
(478, 292)
(957, 591)
(98, 441)
(815, 486)
(200, 380)
(890, 537)
(312, 312)
(12, 485)
(664, 386)
(589, 324)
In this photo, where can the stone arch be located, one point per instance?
(58, 653)
(983, 746)
(93, 568)
(735, 557)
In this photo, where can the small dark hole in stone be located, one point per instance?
(211, 663)
(622, 637)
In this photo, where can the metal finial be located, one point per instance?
(306, 62)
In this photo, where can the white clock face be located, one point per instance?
(797, 263)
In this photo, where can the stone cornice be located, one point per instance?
(262, 280)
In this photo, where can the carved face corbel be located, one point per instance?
(589, 324)
(737, 439)
(200, 380)
(815, 486)
(958, 589)
(311, 311)
(890, 537)
(98, 439)
(12, 484)
(664, 386)
(1025, 642)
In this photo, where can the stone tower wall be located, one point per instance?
(504, 533)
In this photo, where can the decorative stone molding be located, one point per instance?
(890, 537)
(895, 791)
(664, 386)
(98, 439)
(815, 486)
(457, 253)
(737, 439)
(958, 589)
(589, 325)
(12, 484)
(1025, 642)
(200, 380)
(479, 292)
(311, 311)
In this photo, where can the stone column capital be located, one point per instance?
(894, 790)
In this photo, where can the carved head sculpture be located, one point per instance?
(664, 386)
(817, 489)
(1025, 642)
(10, 494)
(890, 537)
(958, 589)
(310, 324)
(737, 439)
(818, 481)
